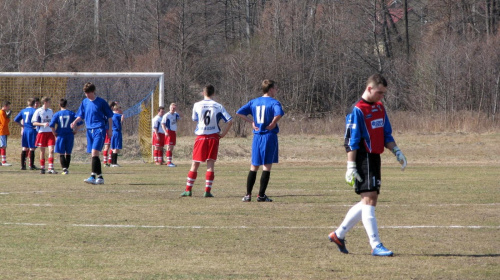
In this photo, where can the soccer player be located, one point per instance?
(106, 153)
(116, 138)
(207, 113)
(65, 135)
(158, 136)
(4, 131)
(94, 110)
(28, 133)
(368, 131)
(45, 137)
(169, 124)
(266, 112)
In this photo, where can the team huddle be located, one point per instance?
(368, 132)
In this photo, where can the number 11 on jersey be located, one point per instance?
(260, 110)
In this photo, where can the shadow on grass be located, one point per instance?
(459, 255)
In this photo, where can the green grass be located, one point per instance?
(137, 227)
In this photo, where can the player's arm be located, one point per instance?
(226, 128)
(75, 122)
(54, 131)
(110, 127)
(249, 120)
(274, 122)
(34, 119)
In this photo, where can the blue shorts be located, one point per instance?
(264, 149)
(116, 140)
(3, 141)
(29, 138)
(64, 143)
(95, 139)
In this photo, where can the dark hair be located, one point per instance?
(31, 102)
(161, 108)
(210, 90)
(5, 103)
(89, 87)
(375, 80)
(112, 104)
(267, 85)
(63, 103)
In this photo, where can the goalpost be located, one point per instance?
(139, 94)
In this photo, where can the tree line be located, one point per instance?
(439, 55)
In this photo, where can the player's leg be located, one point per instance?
(95, 143)
(264, 181)
(209, 178)
(69, 142)
(191, 178)
(252, 176)
(42, 159)
(116, 146)
(352, 217)
(369, 190)
(51, 143)
(32, 159)
(24, 152)
(3, 150)
(51, 160)
(268, 150)
(171, 141)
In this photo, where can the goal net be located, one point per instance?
(139, 94)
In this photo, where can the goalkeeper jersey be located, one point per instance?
(208, 113)
(367, 128)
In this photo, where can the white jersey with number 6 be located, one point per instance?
(208, 113)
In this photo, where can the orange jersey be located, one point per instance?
(4, 123)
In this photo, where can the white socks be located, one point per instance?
(351, 219)
(357, 213)
(370, 223)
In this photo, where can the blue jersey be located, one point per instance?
(117, 122)
(63, 119)
(95, 113)
(26, 115)
(263, 110)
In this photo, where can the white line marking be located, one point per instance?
(249, 227)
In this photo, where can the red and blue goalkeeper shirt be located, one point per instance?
(367, 128)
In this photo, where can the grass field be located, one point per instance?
(441, 216)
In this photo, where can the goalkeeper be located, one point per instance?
(368, 131)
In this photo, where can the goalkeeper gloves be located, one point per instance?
(352, 174)
(399, 157)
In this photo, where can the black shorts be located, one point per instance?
(368, 166)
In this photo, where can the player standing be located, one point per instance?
(4, 131)
(28, 132)
(65, 135)
(106, 153)
(207, 113)
(45, 137)
(94, 110)
(169, 125)
(266, 112)
(116, 138)
(158, 140)
(368, 131)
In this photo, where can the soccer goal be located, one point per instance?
(139, 94)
